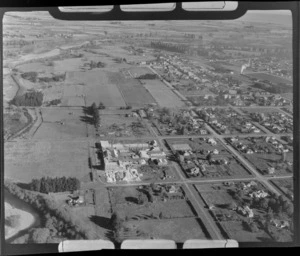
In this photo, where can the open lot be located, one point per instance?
(122, 126)
(63, 124)
(36, 159)
(171, 218)
(162, 94)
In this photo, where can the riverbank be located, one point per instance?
(25, 220)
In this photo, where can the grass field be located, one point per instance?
(97, 88)
(162, 94)
(178, 230)
(25, 160)
(62, 124)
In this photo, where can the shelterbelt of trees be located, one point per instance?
(57, 221)
(47, 184)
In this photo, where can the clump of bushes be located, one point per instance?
(54, 102)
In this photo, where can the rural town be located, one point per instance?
(173, 130)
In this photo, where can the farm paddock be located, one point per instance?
(45, 158)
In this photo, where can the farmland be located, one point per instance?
(97, 87)
(63, 124)
(162, 94)
(45, 158)
(133, 92)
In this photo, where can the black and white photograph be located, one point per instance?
(149, 134)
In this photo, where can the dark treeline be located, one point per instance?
(148, 76)
(32, 99)
(62, 184)
(33, 77)
(57, 223)
(168, 47)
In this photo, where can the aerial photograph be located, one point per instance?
(153, 129)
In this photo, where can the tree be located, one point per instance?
(264, 203)
(141, 198)
(40, 235)
(116, 221)
(101, 106)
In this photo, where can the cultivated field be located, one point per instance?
(25, 160)
(131, 89)
(162, 94)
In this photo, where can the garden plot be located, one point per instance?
(97, 88)
(25, 160)
(163, 95)
(62, 124)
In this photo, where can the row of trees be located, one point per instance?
(57, 223)
(47, 184)
(168, 47)
(32, 99)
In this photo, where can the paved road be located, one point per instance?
(259, 177)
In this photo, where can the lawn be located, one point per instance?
(25, 160)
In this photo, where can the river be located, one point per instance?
(22, 206)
